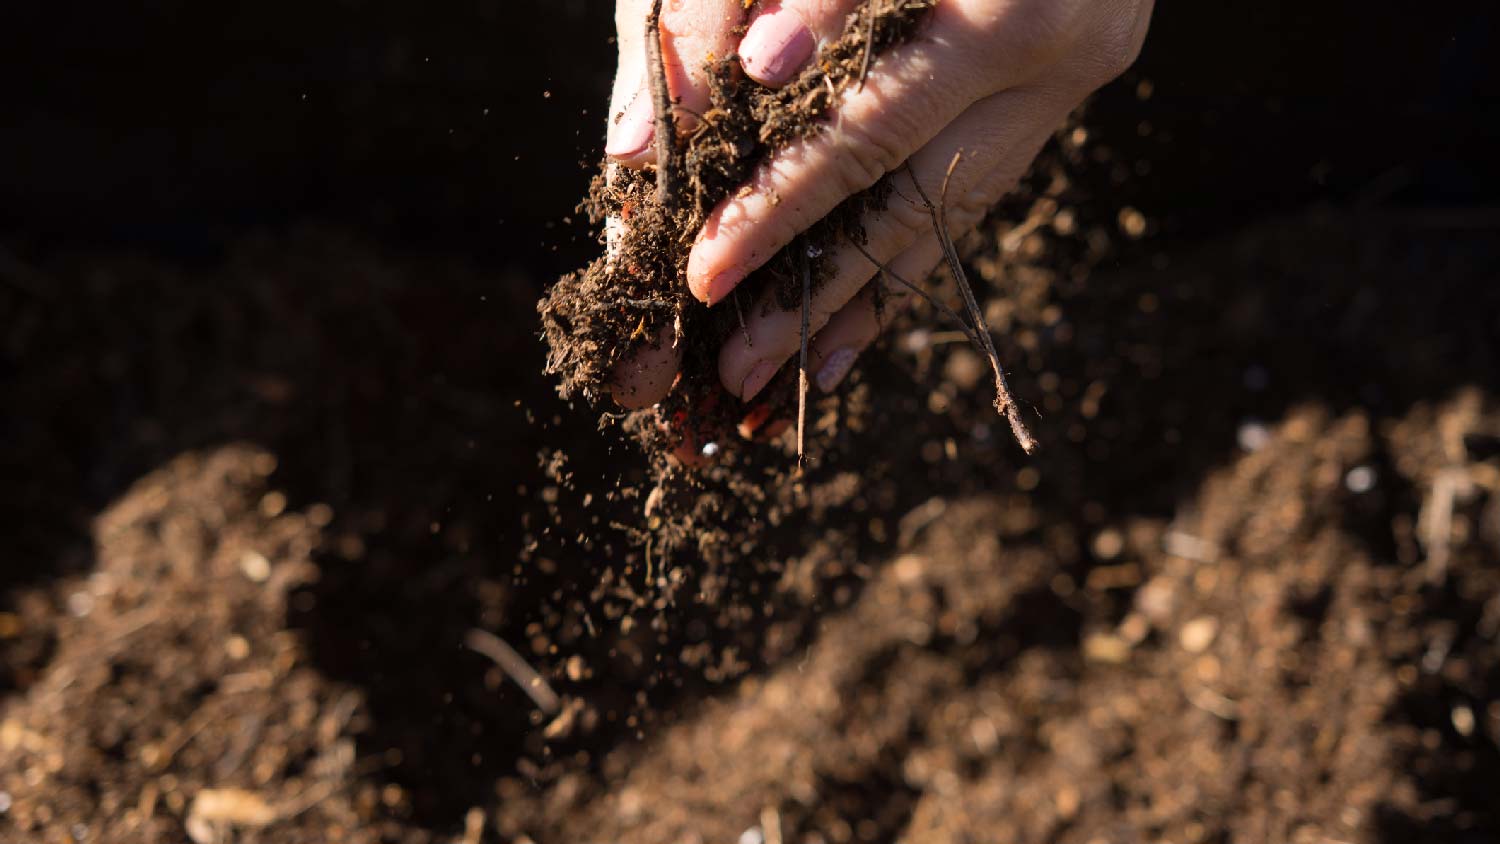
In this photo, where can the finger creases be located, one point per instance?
(994, 142)
(876, 126)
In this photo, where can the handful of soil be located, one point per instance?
(597, 317)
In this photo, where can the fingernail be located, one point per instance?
(834, 369)
(776, 47)
(630, 134)
(721, 285)
(757, 380)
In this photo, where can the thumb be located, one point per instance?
(692, 33)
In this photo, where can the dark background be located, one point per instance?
(461, 126)
(465, 130)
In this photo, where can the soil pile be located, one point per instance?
(1247, 591)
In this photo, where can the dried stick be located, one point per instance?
(864, 65)
(1005, 403)
(515, 666)
(931, 300)
(666, 123)
(802, 363)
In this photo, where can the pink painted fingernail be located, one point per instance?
(757, 380)
(834, 369)
(630, 134)
(776, 47)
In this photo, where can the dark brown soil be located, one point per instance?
(1247, 593)
(256, 503)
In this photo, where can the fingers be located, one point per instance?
(691, 32)
(836, 348)
(647, 376)
(833, 351)
(910, 94)
(785, 36)
(998, 138)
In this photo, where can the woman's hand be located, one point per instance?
(990, 79)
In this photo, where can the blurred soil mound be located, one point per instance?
(1248, 590)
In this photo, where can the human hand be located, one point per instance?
(985, 80)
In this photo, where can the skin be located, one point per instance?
(991, 79)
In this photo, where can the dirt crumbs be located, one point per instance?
(636, 296)
(175, 701)
(1254, 684)
(1248, 591)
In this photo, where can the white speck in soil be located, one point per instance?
(1360, 479)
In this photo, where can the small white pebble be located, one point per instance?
(5, 802)
(1463, 720)
(753, 835)
(1360, 479)
(710, 449)
(255, 566)
(80, 604)
(916, 341)
(1253, 436)
(1198, 634)
(1156, 600)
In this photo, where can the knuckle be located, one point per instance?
(1119, 52)
(1113, 46)
(1108, 56)
(907, 213)
(1040, 33)
(866, 155)
(1059, 21)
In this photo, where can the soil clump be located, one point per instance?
(595, 318)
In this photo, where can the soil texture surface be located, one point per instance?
(1249, 590)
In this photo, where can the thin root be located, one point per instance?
(941, 306)
(864, 65)
(666, 122)
(515, 667)
(1005, 403)
(802, 363)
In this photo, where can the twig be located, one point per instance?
(802, 363)
(931, 300)
(864, 65)
(666, 123)
(1435, 519)
(515, 666)
(1005, 403)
